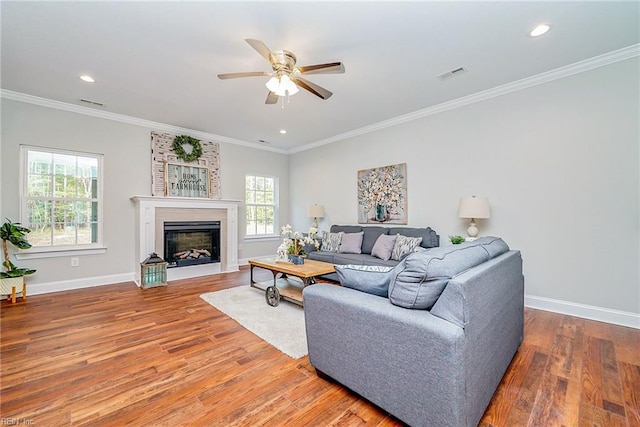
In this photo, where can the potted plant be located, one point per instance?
(456, 240)
(13, 277)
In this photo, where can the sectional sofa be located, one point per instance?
(432, 349)
(370, 236)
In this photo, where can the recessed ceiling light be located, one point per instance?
(283, 131)
(87, 78)
(539, 30)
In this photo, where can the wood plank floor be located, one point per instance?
(118, 355)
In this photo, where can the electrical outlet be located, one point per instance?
(75, 261)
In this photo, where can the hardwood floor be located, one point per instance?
(116, 355)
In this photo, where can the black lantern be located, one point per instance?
(153, 271)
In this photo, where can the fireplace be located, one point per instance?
(191, 242)
(152, 212)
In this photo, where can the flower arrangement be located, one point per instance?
(293, 241)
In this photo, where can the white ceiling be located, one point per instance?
(159, 60)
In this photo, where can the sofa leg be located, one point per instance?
(324, 376)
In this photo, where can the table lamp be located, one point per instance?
(475, 208)
(315, 212)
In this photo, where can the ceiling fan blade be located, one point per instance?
(237, 75)
(272, 98)
(331, 67)
(312, 87)
(262, 49)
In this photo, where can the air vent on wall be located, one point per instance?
(452, 73)
(88, 101)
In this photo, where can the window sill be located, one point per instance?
(259, 238)
(59, 252)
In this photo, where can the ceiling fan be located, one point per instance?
(285, 77)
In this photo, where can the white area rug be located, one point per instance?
(281, 326)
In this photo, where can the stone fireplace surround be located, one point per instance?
(152, 212)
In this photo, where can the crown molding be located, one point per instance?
(558, 73)
(79, 109)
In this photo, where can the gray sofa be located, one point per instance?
(371, 233)
(434, 351)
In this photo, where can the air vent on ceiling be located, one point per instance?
(452, 73)
(88, 101)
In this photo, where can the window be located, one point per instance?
(61, 198)
(261, 200)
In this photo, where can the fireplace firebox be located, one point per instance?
(191, 242)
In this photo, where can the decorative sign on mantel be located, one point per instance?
(184, 180)
(175, 177)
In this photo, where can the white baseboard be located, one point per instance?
(87, 282)
(601, 314)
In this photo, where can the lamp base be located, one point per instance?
(473, 231)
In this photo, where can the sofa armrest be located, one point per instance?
(488, 301)
(405, 361)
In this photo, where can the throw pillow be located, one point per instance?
(404, 246)
(331, 241)
(384, 246)
(351, 243)
(372, 279)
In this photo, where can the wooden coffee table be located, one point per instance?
(284, 287)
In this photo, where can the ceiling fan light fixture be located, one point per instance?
(282, 85)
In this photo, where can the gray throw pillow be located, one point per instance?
(331, 241)
(404, 246)
(384, 246)
(351, 243)
(372, 279)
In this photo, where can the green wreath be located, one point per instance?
(195, 153)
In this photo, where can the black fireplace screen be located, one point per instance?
(191, 242)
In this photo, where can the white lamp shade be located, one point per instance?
(474, 207)
(316, 211)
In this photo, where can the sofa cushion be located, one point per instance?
(404, 246)
(422, 276)
(429, 237)
(351, 243)
(345, 228)
(371, 235)
(366, 278)
(360, 259)
(322, 256)
(331, 241)
(384, 246)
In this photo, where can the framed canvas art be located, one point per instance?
(382, 195)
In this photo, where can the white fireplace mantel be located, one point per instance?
(147, 240)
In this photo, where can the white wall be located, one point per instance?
(559, 163)
(127, 172)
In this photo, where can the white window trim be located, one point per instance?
(276, 210)
(67, 250)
